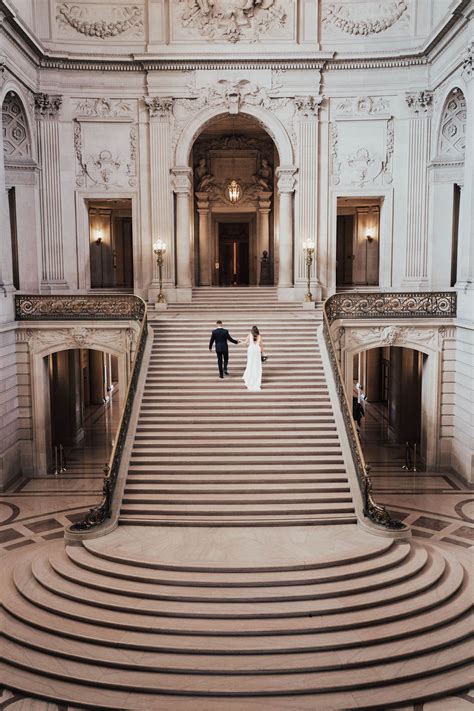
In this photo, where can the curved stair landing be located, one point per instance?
(271, 618)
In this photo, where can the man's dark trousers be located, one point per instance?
(220, 336)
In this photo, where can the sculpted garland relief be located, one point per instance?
(232, 20)
(367, 18)
(104, 21)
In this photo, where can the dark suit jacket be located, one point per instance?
(220, 336)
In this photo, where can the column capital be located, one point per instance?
(420, 103)
(309, 105)
(47, 106)
(286, 175)
(202, 202)
(159, 106)
(264, 201)
(468, 63)
(182, 180)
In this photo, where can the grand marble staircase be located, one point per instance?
(221, 587)
(207, 450)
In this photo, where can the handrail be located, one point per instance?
(98, 308)
(360, 305)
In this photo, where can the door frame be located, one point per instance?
(217, 218)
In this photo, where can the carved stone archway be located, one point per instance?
(235, 103)
(428, 340)
(42, 342)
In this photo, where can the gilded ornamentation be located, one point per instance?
(232, 20)
(47, 105)
(112, 21)
(364, 19)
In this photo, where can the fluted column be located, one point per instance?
(286, 188)
(416, 254)
(47, 107)
(160, 111)
(465, 267)
(6, 272)
(307, 193)
(204, 237)
(182, 185)
(264, 208)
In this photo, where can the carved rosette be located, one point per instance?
(420, 103)
(47, 106)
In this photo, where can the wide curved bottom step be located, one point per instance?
(192, 618)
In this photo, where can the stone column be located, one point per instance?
(264, 207)
(47, 107)
(465, 269)
(183, 189)
(160, 110)
(204, 239)
(286, 188)
(416, 253)
(307, 193)
(6, 270)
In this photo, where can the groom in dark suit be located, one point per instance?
(220, 336)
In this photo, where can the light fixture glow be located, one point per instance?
(159, 246)
(309, 244)
(234, 191)
(99, 236)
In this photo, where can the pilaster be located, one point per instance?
(286, 188)
(416, 260)
(6, 270)
(182, 186)
(47, 108)
(307, 192)
(160, 112)
(204, 237)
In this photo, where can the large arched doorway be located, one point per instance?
(234, 161)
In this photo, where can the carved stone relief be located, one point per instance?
(420, 103)
(158, 106)
(116, 339)
(452, 133)
(107, 168)
(232, 20)
(391, 336)
(47, 105)
(363, 105)
(104, 108)
(468, 63)
(366, 18)
(233, 96)
(363, 166)
(16, 141)
(104, 21)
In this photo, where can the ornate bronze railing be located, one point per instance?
(362, 305)
(98, 308)
(79, 308)
(403, 304)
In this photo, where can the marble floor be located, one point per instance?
(437, 506)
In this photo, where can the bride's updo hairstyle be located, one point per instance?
(255, 332)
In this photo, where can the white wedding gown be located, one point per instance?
(253, 372)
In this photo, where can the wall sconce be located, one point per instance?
(308, 247)
(369, 236)
(99, 237)
(159, 248)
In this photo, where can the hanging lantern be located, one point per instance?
(234, 192)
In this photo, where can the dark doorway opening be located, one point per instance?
(111, 244)
(345, 250)
(234, 254)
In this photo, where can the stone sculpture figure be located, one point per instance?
(264, 176)
(204, 179)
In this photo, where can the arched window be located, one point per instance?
(452, 131)
(16, 138)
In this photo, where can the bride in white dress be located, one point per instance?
(253, 372)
